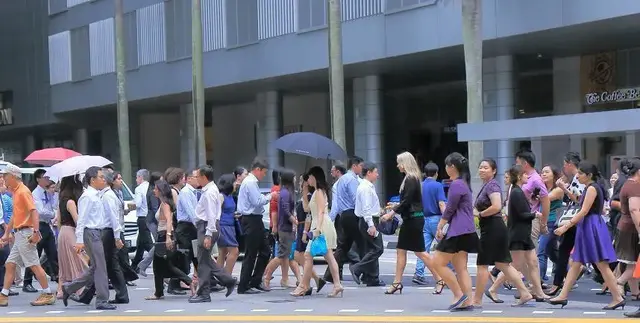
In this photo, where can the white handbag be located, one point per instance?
(568, 214)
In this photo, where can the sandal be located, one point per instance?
(440, 285)
(495, 299)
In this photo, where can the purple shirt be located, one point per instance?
(459, 210)
(286, 205)
(534, 182)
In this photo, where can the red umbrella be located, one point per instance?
(50, 156)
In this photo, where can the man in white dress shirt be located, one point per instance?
(92, 220)
(251, 204)
(144, 241)
(368, 206)
(208, 211)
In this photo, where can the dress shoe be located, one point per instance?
(173, 291)
(28, 288)
(106, 307)
(111, 287)
(119, 301)
(230, 288)
(131, 284)
(65, 297)
(13, 293)
(249, 291)
(200, 299)
(54, 279)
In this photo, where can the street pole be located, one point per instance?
(336, 75)
(197, 93)
(123, 105)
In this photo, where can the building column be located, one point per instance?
(498, 89)
(187, 137)
(269, 129)
(368, 130)
(81, 141)
(29, 145)
(630, 143)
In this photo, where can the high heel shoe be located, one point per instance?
(603, 292)
(299, 292)
(336, 292)
(320, 284)
(440, 285)
(395, 287)
(621, 304)
(553, 292)
(561, 302)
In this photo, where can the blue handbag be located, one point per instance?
(318, 246)
(293, 250)
(389, 227)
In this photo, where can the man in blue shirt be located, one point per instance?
(433, 203)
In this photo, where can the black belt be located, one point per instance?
(253, 215)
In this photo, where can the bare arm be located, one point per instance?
(73, 210)
(320, 201)
(634, 208)
(589, 198)
(166, 214)
(556, 194)
(496, 205)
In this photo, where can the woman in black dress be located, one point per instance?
(410, 209)
(494, 236)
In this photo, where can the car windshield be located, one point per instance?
(126, 193)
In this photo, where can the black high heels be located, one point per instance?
(395, 287)
(614, 307)
(561, 302)
(553, 292)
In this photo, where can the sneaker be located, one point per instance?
(4, 300)
(44, 299)
(419, 280)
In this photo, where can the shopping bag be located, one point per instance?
(636, 271)
(293, 250)
(389, 227)
(318, 246)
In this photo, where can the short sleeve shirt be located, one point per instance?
(630, 189)
(22, 206)
(534, 190)
(483, 201)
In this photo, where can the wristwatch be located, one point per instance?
(169, 234)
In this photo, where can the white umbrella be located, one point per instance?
(76, 165)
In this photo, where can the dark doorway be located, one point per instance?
(428, 146)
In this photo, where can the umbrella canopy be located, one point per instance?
(310, 144)
(76, 165)
(50, 156)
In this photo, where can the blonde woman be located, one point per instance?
(411, 211)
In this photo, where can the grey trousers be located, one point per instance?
(96, 274)
(206, 266)
(148, 258)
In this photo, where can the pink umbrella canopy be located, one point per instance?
(50, 156)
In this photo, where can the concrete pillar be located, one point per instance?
(81, 141)
(498, 89)
(269, 129)
(368, 130)
(187, 137)
(630, 143)
(29, 144)
(536, 149)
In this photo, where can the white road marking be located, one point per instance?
(426, 288)
(133, 311)
(173, 311)
(350, 287)
(54, 312)
(349, 311)
(303, 310)
(142, 288)
(542, 312)
(218, 310)
(94, 311)
(260, 310)
(393, 311)
(440, 311)
(594, 313)
(491, 312)
(16, 312)
(596, 289)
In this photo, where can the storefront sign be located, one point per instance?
(6, 117)
(621, 95)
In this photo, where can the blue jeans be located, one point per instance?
(429, 233)
(543, 258)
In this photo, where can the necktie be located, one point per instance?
(198, 195)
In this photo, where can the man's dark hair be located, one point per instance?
(258, 163)
(339, 166)
(39, 173)
(206, 171)
(368, 167)
(431, 169)
(355, 160)
(90, 174)
(528, 157)
(572, 158)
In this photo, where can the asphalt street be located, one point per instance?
(359, 304)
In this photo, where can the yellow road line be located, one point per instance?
(297, 318)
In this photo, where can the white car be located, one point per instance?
(130, 220)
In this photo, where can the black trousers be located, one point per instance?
(565, 245)
(143, 243)
(167, 267)
(185, 233)
(48, 245)
(256, 253)
(125, 265)
(350, 226)
(354, 255)
(369, 266)
(207, 268)
(114, 271)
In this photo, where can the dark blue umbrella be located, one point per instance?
(310, 144)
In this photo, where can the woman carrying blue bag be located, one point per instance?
(322, 234)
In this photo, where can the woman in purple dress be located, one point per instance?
(593, 242)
